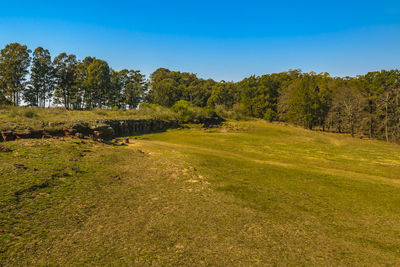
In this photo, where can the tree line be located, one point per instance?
(65, 80)
(366, 105)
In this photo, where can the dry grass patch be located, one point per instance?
(267, 195)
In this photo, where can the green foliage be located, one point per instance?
(66, 91)
(42, 79)
(145, 105)
(167, 87)
(97, 83)
(14, 64)
(134, 87)
(182, 105)
(238, 112)
(18, 112)
(270, 115)
(156, 111)
(100, 112)
(306, 101)
(30, 114)
(224, 93)
(4, 100)
(315, 101)
(189, 113)
(260, 94)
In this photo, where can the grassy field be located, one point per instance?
(247, 193)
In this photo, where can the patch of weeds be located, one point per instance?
(13, 113)
(30, 114)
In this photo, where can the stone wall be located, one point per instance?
(98, 130)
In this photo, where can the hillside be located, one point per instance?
(38, 118)
(245, 193)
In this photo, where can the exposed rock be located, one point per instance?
(24, 134)
(79, 135)
(215, 120)
(104, 131)
(20, 166)
(8, 136)
(53, 132)
(80, 127)
(4, 149)
(37, 134)
(57, 123)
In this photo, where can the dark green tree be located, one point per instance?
(370, 88)
(167, 87)
(134, 87)
(303, 102)
(387, 104)
(260, 94)
(224, 93)
(14, 66)
(66, 91)
(97, 83)
(42, 79)
(164, 88)
(81, 74)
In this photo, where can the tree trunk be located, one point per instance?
(370, 118)
(386, 118)
(352, 129)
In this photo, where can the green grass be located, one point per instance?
(247, 193)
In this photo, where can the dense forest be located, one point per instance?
(366, 105)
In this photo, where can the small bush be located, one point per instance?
(187, 112)
(100, 112)
(156, 112)
(4, 100)
(270, 115)
(13, 113)
(145, 105)
(30, 114)
(56, 110)
(236, 113)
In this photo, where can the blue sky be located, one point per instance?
(224, 40)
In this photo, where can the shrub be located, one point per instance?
(30, 113)
(187, 112)
(4, 100)
(270, 115)
(100, 112)
(236, 113)
(156, 111)
(145, 105)
(13, 113)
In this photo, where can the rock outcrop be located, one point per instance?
(98, 130)
(4, 149)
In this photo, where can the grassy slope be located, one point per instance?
(37, 118)
(248, 193)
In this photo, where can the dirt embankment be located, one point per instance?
(98, 130)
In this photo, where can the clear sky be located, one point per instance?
(226, 40)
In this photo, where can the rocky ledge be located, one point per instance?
(97, 130)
